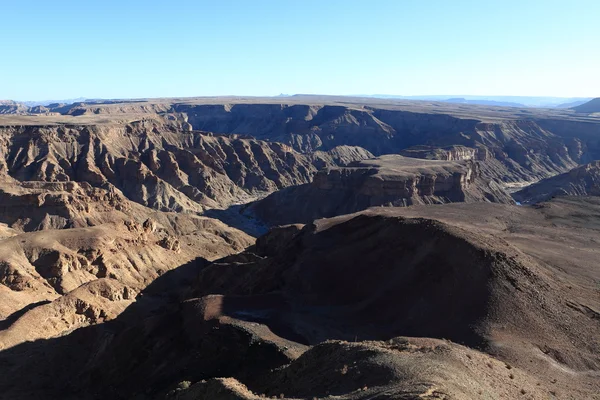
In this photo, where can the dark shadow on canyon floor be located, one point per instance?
(236, 218)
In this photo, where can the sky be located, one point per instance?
(131, 49)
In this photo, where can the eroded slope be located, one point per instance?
(493, 277)
(73, 255)
(580, 181)
(159, 164)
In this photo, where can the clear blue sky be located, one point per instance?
(128, 48)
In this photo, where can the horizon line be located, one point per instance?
(399, 96)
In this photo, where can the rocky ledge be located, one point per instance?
(391, 180)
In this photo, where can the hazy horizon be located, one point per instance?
(134, 49)
(467, 96)
(527, 101)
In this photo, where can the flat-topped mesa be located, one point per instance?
(395, 177)
(391, 180)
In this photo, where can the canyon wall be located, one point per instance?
(161, 165)
(527, 149)
(523, 145)
(391, 180)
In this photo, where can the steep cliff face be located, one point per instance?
(527, 146)
(160, 165)
(525, 149)
(391, 180)
(580, 181)
(306, 127)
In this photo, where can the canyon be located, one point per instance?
(298, 247)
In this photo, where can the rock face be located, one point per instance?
(159, 164)
(523, 145)
(386, 181)
(526, 149)
(322, 309)
(580, 181)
